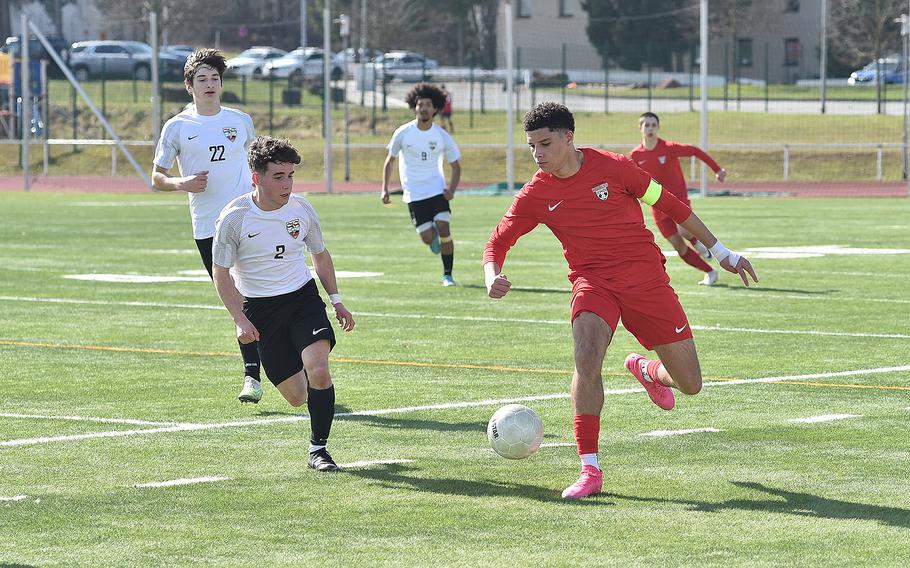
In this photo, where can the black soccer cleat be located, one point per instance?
(320, 460)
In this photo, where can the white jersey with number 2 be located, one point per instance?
(265, 250)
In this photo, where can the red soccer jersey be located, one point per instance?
(595, 214)
(663, 163)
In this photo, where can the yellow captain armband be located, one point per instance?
(652, 194)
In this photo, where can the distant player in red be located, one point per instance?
(589, 199)
(445, 115)
(660, 158)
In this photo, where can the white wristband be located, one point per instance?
(335, 298)
(719, 251)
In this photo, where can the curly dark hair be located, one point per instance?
(204, 56)
(265, 150)
(549, 115)
(426, 91)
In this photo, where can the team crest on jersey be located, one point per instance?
(230, 132)
(602, 191)
(662, 159)
(293, 228)
(432, 145)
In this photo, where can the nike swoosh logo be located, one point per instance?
(679, 329)
(315, 331)
(554, 206)
(251, 235)
(191, 137)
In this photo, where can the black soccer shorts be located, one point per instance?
(425, 210)
(287, 324)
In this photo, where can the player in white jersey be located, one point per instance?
(422, 145)
(209, 143)
(261, 275)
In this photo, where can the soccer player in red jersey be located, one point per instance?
(589, 199)
(660, 158)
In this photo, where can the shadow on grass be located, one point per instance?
(759, 288)
(793, 503)
(400, 476)
(291, 411)
(405, 424)
(343, 414)
(6, 565)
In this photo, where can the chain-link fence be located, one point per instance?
(784, 107)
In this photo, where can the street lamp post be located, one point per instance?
(345, 25)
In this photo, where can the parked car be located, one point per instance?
(892, 72)
(356, 56)
(251, 62)
(398, 60)
(37, 52)
(121, 59)
(405, 65)
(300, 63)
(184, 50)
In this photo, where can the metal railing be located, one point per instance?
(784, 148)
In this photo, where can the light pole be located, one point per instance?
(25, 107)
(345, 29)
(363, 49)
(904, 21)
(327, 92)
(303, 24)
(823, 55)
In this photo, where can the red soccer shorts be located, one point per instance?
(665, 224)
(651, 312)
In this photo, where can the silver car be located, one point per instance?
(300, 63)
(121, 60)
(251, 62)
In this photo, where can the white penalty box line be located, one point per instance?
(179, 427)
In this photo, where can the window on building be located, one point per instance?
(744, 52)
(565, 8)
(791, 5)
(523, 9)
(792, 51)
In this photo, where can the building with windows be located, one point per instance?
(778, 40)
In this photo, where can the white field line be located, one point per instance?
(354, 465)
(814, 298)
(825, 418)
(88, 419)
(408, 409)
(801, 332)
(461, 318)
(660, 433)
(118, 204)
(558, 445)
(755, 296)
(16, 498)
(817, 273)
(110, 303)
(190, 481)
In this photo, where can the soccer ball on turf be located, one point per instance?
(515, 431)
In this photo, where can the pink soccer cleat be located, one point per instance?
(590, 482)
(660, 394)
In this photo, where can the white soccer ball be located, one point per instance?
(515, 431)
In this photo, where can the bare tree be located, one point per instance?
(397, 24)
(481, 18)
(865, 29)
(454, 32)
